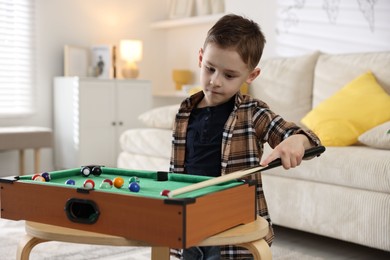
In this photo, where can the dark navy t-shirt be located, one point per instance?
(204, 139)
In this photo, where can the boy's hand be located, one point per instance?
(290, 151)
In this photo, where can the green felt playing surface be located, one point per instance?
(150, 187)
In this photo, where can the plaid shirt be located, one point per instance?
(248, 127)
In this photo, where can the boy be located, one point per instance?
(218, 130)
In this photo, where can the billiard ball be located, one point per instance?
(118, 182)
(106, 184)
(134, 179)
(46, 175)
(89, 184)
(165, 193)
(96, 170)
(134, 187)
(108, 181)
(85, 171)
(70, 182)
(39, 178)
(35, 176)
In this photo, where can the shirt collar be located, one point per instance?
(189, 103)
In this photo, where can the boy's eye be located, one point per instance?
(210, 69)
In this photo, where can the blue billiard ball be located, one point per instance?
(134, 187)
(70, 182)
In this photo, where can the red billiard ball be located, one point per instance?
(118, 182)
(108, 181)
(35, 176)
(165, 193)
(106, 184)
(134, 187)
(89, 184)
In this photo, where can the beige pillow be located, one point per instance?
(333, 71)
(160, 117)
(286, 84)
(378, 137)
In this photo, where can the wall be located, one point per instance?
(332, 26)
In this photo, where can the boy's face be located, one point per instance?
(222, 74)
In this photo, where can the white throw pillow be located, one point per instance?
(378, 137)
(160, 117)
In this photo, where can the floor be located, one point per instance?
(323, 247)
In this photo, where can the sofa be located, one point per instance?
(344, 98)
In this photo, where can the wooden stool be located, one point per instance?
(249, 236)
(26, 137)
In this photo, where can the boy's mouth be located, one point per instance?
(213, 91)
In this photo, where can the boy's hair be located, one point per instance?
(234, 31)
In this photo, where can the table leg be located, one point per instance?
(259, 249)
(25, 246)
(160, 253)
(21, 162)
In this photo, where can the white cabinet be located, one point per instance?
(90, 114)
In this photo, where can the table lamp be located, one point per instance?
(130, 52)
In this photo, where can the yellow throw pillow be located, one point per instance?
(357, 107)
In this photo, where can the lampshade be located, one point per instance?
(130, 52)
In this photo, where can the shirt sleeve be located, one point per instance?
(273, 129)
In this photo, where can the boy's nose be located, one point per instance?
(216, 81)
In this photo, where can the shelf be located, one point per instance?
(188, 21)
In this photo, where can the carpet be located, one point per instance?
(12, 231)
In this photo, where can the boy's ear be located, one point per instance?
(200, 57)
(253, 75)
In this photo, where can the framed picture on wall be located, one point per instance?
(76, 61)
(180, 8)
(101, 61)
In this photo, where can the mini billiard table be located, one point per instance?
(146, 215)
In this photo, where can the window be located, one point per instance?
(17, 57)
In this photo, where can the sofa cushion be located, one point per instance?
(358, 167)
(160, 117)
(352, 110)
(152, 142)
(285, 84)
(378, 137)
(333, 71)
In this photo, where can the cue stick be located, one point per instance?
(314, 151)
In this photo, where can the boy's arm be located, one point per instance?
(290, 151)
